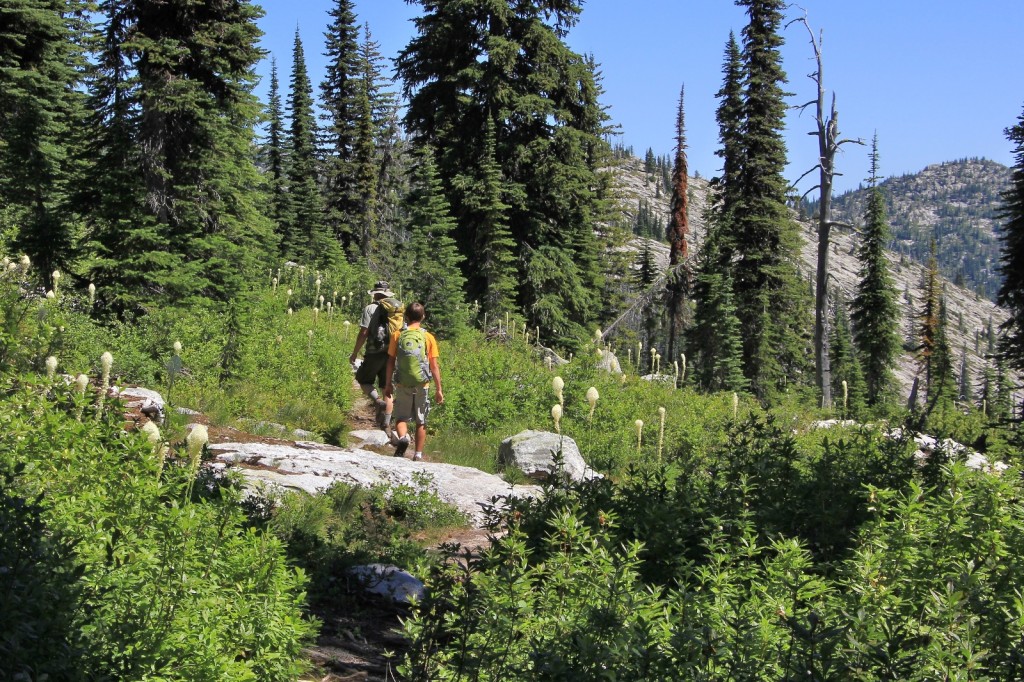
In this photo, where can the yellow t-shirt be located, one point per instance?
(431, 343)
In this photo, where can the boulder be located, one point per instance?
(549, 356)
(363, 437)
(608, 362)
(145, 401)
(660, 378)
(533, 453)
(389, 582)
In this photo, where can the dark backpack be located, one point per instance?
(386, 319)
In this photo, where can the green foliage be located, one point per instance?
(153, 582)
(771, 558)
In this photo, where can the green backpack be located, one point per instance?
(412, 366)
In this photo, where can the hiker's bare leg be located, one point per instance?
(421, 437)
(401, 428)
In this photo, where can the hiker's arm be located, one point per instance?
(435, 369)
(360, 340)
(388, 388)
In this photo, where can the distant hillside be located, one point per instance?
(964, 182)
(956, 203)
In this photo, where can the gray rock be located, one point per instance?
(548, 355)
(363, 437)
(532, 452)
(660, 378)
(390, 582)
(148, 402)
(313, 467)
(187, 411)
(608, 362)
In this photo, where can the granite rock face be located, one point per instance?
(313, 467)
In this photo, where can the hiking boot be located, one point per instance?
(418, 456)
(403, 445)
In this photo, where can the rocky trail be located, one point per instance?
(360, 640)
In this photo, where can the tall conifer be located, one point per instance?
(306, 237)
(1011, 293)
(772, 302)
(928, 321)
(41, 109)
(340, 95)
(433, 259)
(275, 154)
(678, 234)
(477, 61)
(174, 133)
(876, 317)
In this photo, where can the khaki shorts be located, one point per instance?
(411, 404)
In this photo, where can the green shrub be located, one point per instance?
(166, 586)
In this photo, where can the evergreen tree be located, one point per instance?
(173, 181)
(876, 317)
(730, 135)
(1011, 293)
(433, 259)
(942, 388)
(646, 276)
(678, 233)
(275, 154)
(495, 247)
(343, 92)
(364, 184)
(714, 347)
(306, 237)
(474, 61)
(928, 321)
(845, 364)
(41, 109)
(771, 302)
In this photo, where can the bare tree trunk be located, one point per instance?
(827, 132)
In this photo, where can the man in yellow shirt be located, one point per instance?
(412, 363)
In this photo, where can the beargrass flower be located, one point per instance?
(51, 367)
(92, 293)
(592, 397)
(846, 394)
(682, 367)
(639, 423)
(557, 384)
(56, 278)
(50, 295)
(273, 284)
(24, 263)
(556, 416)
(321, 299)
(194, 442)
(177, 347)
(289, 311)
(289, 292)
(81, 383)
(152, 432)
(735, 405)
(105, 363)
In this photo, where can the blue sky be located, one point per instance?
(938, 80)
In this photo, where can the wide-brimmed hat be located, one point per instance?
(381, 287)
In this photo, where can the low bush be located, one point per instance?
(118, 571)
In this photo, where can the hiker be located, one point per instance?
(412, 363)
(380, 318)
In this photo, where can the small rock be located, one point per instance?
(187, 412)
(368, 437)
(390, 582)
(609, 363)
